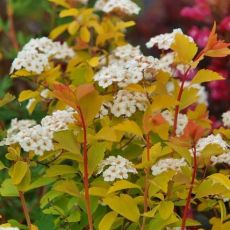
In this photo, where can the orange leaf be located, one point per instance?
(83, 90)
(215, 47)
(66, 94)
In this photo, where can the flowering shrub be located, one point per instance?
(127, 142)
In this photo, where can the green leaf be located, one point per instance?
(206, 75)
(152, 212)
(8, 189)
(67, 186)
(96, 154)
(129, 127)
(125, 205)
(107, 221)
(67, 141)
(166, 209)
(122, 184)
(2, 166)
(19, 171)
(57, 170)
(6, 99)
(40, 182)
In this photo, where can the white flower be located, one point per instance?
(222, 158)
(168, 164)
(182, 121)
(125, 6)
(211, 139)
(15, 127)
(104, 110)
(126, 103)
(38, 138)
(164, 41)
(117, 168)
(126, 52)
(34, 56)
(226, 119)
(58, 120)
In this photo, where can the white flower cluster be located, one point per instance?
(35, 55)
(182, 121)
(164, 41)
(117, 168)
(226, 119)
(168, 164)
(127, 103)
(126, 66)
(222, 158)
(211, 139)
(124, 6)
(38, 138)
(58, 121)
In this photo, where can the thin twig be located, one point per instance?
(25, 209)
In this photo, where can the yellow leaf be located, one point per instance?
(220, 179)
(107, 221)
(95, 155)
(189, 97)
(27, 94)
(57, 170)
(6, 99)
(124, 205)
(113, 135)
(151, 213)
(21, 73)
(129, 127)
(67, 186)
(163, 102)
(73, 27)
(184, 48)
(19, 171)
(205, 75)
(135, 87)
(58, 31)
(94, 61)
(33, 227)
(84, 34)
(68, 12)
(166, 209)
(98, 191)
(61, 3)
(122, 184)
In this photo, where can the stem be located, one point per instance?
(185, 76)
(189, 197)
(25, 209)
(146, 188)
(85, 177)
(11, 33)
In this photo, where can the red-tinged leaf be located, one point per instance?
(215, 47)
(83, 90)
(66, 94)
(192, 132)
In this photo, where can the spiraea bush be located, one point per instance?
(127, 142)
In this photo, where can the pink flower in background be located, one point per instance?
(199, 35)
(225, 24)
(200, 11)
